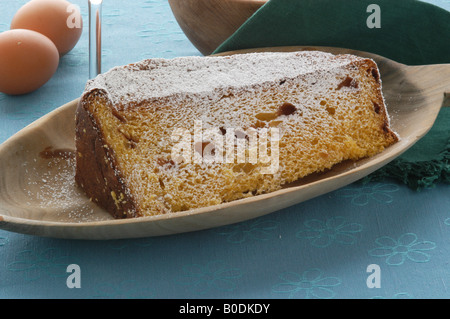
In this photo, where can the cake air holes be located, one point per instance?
(331, 110)
(266, 117)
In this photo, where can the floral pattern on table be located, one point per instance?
(311, 284)
(334, 230)
(127, 289)
(406, 247)
(363, 195)
(3, 241)
(33, 265)
(259, 229)
(210, 277)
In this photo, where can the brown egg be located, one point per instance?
(28, 60)
(59, 20)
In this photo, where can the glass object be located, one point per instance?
(95, 38)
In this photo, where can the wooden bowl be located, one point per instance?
(208, 23)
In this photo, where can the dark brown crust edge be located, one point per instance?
(96, 170)
(371, 67)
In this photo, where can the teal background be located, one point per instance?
(317, 249)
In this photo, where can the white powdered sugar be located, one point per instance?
(155, 78)
(51, 192)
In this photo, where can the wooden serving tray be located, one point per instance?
(38, 194)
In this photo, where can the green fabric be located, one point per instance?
(426, 163)
(412, 32)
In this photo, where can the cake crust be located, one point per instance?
(95, 169)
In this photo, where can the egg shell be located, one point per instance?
(59, 20)
(28, 60)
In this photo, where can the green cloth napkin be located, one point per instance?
(410, 32)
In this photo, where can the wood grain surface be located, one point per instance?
(208, 23)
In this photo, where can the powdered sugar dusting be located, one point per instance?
(51, 192)
(155, 78)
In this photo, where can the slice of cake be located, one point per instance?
(163, 136)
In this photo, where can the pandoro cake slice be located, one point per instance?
(168, 135)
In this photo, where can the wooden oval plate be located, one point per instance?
(38, 194)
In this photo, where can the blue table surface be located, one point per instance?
(322, 248)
